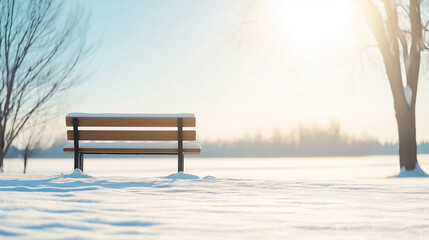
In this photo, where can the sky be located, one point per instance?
(242, 67)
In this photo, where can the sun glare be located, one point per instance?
(314, 23)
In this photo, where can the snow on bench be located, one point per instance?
(130, 141)
(131, 115)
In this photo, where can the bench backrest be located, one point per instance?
(77, 120)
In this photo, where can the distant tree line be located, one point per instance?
(302, 141)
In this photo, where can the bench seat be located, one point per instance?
(121, 147)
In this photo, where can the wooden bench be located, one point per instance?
(133, 140)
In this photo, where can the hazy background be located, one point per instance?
(248, 71)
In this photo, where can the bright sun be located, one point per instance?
(314, 23)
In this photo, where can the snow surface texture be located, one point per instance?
(417, 172)
(77, 173)
(190, 206)
(135, 115)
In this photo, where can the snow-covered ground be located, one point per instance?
(302, 198)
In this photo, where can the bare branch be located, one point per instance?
(40, 49)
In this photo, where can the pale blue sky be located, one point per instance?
(197, 56)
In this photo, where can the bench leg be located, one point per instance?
(181, 161)
(76, 160)
(180, 156)
(81, 161)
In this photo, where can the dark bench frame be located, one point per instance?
(79, 156)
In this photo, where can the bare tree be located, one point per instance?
(399, 32)
(34, 135)
(40, 49)
(30, 147)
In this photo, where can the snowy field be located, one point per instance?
(293, 198)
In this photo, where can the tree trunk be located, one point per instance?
(25, 160)
(2, 153)
(1, 161)
(406, 119)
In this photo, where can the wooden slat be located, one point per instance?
(131, 135)
(129, 122)
(130, 151)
